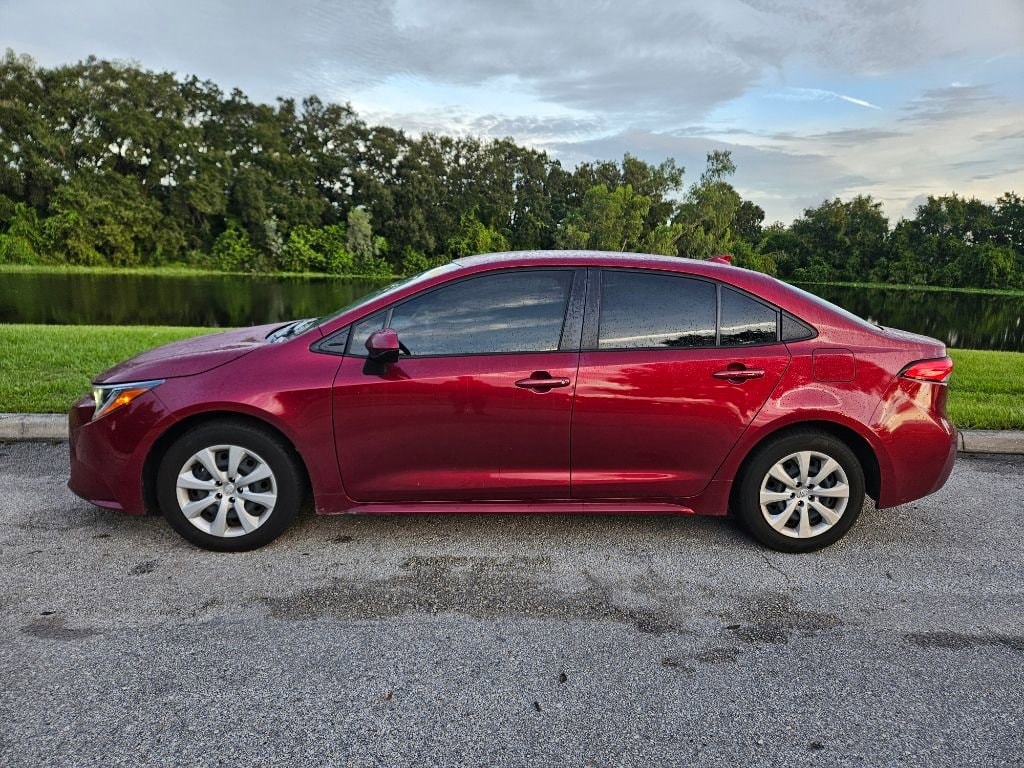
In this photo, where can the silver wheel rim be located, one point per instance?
(226, 490)
(804, 494)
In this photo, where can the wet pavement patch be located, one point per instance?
(958, 641)
(677, 663)
(717, 655)
(487, 588)
(143, 568)
(772, 619)
(55, 629)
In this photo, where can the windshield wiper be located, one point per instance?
(292, 329)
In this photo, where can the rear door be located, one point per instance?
(673, 370)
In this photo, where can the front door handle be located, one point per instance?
(739, 374)
(542, 381)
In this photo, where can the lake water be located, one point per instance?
(964, 320)
(203, 300)
(967, 320)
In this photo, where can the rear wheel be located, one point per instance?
(229, 486)
(800, 492)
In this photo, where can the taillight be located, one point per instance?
(935, 371)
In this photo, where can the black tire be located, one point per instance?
(286, 481)
(747, 492)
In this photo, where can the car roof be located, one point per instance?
(727, 273)
(588, 258)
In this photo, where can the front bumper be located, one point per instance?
(108, 456)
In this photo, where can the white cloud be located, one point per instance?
(975, 154)
(858, 102)
(821, 94)
(650, 57)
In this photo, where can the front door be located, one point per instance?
(479, 409)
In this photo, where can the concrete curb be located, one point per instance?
(54, 426)
(991, 441)
(33, 426)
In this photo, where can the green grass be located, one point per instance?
(44, 368)
(987, 389)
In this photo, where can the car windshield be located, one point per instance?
(387, 290)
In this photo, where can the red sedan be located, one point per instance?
(529, 382)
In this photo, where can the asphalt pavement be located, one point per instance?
(511, 640)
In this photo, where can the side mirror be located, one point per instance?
(384, 346)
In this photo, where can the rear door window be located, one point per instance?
(745, 320)
(655, 311)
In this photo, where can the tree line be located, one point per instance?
(105, 163)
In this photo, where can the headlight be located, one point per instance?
(110, 397)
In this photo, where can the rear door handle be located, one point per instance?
(542, 380)
(739, 373)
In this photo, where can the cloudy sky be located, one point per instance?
(815, 98)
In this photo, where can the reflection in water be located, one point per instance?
(201, 300)
(967, 320)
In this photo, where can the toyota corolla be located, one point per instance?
(556, 382)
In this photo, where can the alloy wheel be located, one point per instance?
(804, 494)
(226, 490)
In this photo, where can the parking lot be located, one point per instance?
(529, 640)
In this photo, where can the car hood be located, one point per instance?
(189, 356)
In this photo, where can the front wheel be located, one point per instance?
(800, 492)
(229, 486)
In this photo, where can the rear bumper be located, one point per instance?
(920, 440)
(108, 455)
